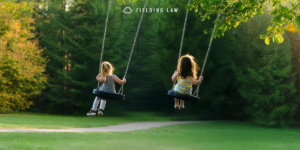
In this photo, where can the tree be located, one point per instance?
(243, 79)
(266, 84)
(73, 41)
(234, 12)
(21, 64)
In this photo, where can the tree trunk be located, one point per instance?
(295, 46)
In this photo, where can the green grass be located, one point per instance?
(199, 136)
(45, 121)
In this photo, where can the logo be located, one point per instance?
(127, 10)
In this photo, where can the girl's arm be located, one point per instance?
(119, 81)
(175, 76)
(197, 82)
(99, 79)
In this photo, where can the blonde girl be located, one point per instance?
(108, 79)
(185, 75)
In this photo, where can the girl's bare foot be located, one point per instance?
(181, 104)
(176, 104)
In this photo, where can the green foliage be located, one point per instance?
(254, 81)
(21, 64)
(163, 62)
(73, 41)
(243, 78)
(298, 22)
(265, 76)
(234, 12)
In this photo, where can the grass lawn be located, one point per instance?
(46, 121)
(199, 136)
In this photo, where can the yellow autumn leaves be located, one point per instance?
(21, 63)
(278, 37)
(291, 28)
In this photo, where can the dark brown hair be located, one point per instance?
(187, 67)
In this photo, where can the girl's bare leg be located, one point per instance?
(182, 104)
(176, 103)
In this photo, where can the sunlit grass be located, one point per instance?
(198, 136)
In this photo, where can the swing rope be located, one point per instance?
(137, 32)
(109, 3)
(211, 39)
(182, 36)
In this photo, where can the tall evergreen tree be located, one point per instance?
(74, 51)
(265, 76)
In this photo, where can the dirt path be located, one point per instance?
(115, 128)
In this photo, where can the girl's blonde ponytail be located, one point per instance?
(106, 70)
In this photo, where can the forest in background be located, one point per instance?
(244, 79)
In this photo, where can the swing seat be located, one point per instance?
(185, 97)
(109, 96)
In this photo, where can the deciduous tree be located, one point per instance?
(21, 64)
